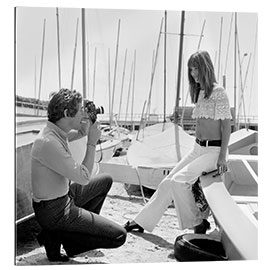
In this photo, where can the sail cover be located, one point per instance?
(160, 149)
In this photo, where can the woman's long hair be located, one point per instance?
(206, 75)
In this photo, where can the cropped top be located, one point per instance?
(216, 107)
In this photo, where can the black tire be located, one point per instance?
(198, 247)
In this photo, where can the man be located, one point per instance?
(66, 199)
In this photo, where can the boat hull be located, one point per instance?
(233, 199)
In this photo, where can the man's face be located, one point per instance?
(77, 119)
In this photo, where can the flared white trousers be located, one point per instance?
(176, 187)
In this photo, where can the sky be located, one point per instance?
(138, 36)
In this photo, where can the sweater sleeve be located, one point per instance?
(222, 105)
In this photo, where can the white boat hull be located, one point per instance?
(233, 199)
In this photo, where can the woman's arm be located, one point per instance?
(225, 137)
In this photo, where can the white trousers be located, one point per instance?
(177, 187)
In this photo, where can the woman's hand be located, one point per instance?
(222, 165)
(93, 133)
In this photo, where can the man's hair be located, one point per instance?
(62, 100)
(207, 78)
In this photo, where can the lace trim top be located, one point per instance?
(215, 107)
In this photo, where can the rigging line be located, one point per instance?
(241, 81)
(184, 108)
(201, 35)
(153, 71)
(242, 86)
(149, 95)
(177, 34)
(115, 68)
(141, 122)
(122, 85)
(41, 63)
(242, 97)
(74, 55)
(228, 45)
(253, 67)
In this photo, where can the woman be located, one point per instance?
(212, 113)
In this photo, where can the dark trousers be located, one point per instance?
(75, 220)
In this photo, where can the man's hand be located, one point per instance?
(93, 133)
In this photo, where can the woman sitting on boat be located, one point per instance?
(66, 199)
(212, 113)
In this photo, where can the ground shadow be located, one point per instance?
(157, 240)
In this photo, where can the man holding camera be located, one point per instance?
(66, 199)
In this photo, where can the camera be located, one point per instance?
(92, 110)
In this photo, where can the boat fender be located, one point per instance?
(198, 247)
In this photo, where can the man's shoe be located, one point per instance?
(52, 246)
(133, 227)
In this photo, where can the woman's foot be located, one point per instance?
(202, 228)
(133, 226)
(52, 246)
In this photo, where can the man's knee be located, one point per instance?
(107, 179)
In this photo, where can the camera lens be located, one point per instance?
(100, 110)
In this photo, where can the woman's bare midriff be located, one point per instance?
(208, 129)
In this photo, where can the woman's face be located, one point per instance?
(195, 74)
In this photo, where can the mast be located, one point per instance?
(130, 79)
(227, 53)
(141, 122)
(94, 76)
(176, 112)
(122, 86)
(199, 44)
(165, 63)
(41, 64)
(88, 72)
(58, 46)
(83, 54)
(109, 85)
(74, 55)
(235, 55)
(180, 63)
(115, 67)
(153, 72)
(35, 83)
(219, 50)
(133, 91)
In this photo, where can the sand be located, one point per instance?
(121, 204)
